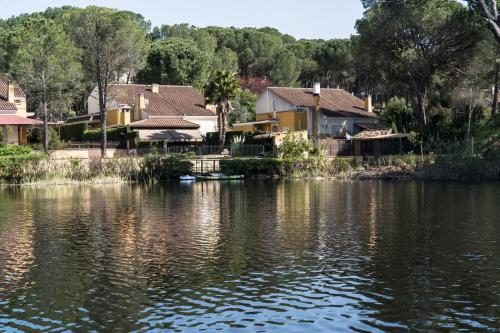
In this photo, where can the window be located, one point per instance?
(17, 101)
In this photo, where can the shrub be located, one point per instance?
(73, 132)
(310, 167)
(36, 137)
(251, 167)
(113, 134)
(17, 169)
(295, 146)
(161, 168)
(13, 150)
(457, 167)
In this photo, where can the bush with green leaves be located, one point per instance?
(113, 134)
(36, 138)
(398, 114)
(155, 168)
(295, 146)
(16, 169)
(14, 150)
(73, 132)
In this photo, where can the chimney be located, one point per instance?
(368, 103)
(155, 88)
(140, 105)
(11, 92)
(315, 111)
(317, 89)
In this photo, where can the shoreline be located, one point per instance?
(27, 171)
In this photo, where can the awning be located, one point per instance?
(12, 119)
(260, 122)
(85, 119)
(380, 137)
(171, 135)
(164, 123)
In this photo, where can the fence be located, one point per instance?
(207, 150)
(202, 166)
(334, 148)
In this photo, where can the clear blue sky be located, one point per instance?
(302, 19)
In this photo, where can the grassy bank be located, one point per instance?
(22, 166)
(37, 169)
(399, 167)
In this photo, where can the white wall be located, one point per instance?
(269, 102)
(93, 103)
(334, 125)
(207, 124)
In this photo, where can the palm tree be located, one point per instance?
(222, 87)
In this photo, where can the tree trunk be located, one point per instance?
(422, 107)
(104, 138)
(45, 128)
(219, 124)
(494, 107)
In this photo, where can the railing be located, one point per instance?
(202, 166)
(90, 145)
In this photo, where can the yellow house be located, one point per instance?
(282, 109)
(14, 121)
(156, 111)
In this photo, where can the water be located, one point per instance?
(292, 256)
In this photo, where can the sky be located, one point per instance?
(302, 19)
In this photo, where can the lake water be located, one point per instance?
(289, 256)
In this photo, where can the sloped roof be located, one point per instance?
(12, 119)
(164, 123)
(334, 102)
(169, 101)
(6, 106)
(4, 90)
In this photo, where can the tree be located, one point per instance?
(285, 69)
(398, 114)
(416, 44)
(46, 66)
(488, 9)
(225, 59)
(177, 62)
(244, 107)
(112, 43)
(222, 88)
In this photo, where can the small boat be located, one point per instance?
(187, 178)
(218, 176)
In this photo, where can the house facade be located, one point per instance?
(282, 109)
(157, 112)
(14, 121)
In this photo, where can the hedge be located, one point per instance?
(73, 132)
(113, 134)
(156, 168)
(311, 167)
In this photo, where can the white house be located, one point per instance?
(158, 112)
(281, 109)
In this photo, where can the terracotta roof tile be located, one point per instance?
(164, 123)
(17, 120)
(6, 106)
(169, 101)
(334, 102)
(18, 92)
